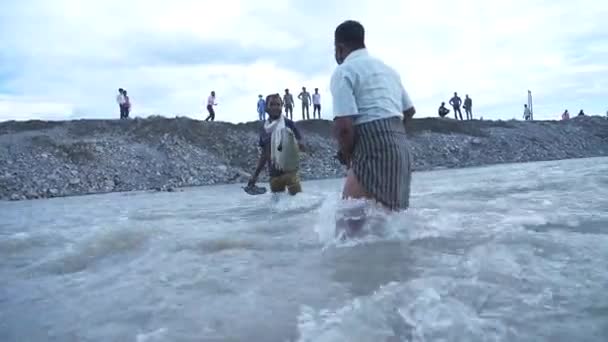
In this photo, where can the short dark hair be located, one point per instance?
(350, 33)
(274, 96)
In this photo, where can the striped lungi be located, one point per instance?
(382, 161)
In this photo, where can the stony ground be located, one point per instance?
(48, 159)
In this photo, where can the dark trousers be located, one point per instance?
(469, 113)
(457, 110)
(289, 111)
(306, 107)
(124, 112)
(316, 109)
(211, 113)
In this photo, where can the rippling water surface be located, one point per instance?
(502, 253)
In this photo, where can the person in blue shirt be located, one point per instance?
(261, 108)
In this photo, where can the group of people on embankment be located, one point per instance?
(456, 103)
(124, 104)
(288, 104)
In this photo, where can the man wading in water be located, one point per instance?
(370, 108)
(280, 142)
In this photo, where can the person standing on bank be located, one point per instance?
(468, 107)
(210, 103)
(127, 104)
(316, 104)
(261, 107)
(304, 96)
(370, 108)
(288, 103)
(120, 99)
(455, 102)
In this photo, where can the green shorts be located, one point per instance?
(289, 181)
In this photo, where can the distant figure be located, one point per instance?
(127, 104)
(280, 142)
(261, 108)
(527, 113)
(288, 103)
(581, 113)
(455, 102)
(316, 103)
(565, 115)
(442, 111)
(120, 99)
(468, 107)
(305, 98)
(210, 103)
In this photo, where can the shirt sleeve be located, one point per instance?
(342, 91)
(295, 129)
(263, 139)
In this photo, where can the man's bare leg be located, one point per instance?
(352, 187)
(352, 219)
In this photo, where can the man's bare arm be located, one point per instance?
(408, 114)
(344, 132)
(264, 156)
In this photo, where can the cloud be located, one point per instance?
(66, 58)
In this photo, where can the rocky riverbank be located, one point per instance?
(41, 159)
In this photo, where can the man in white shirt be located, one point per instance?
(121, 100)
(527, 113)
(316, 103)
(210, 104)
(370, 109)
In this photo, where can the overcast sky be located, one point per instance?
(65, 59)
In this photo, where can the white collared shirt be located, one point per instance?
(316, 98)
(367, 89)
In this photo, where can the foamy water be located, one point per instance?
(503, 253)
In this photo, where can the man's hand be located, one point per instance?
(343, 158)
(344, 132)
(302, 147)
(408, 114)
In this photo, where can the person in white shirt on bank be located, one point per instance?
(527, 113)
(316, 104)
(210, 103)
(121, 100)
